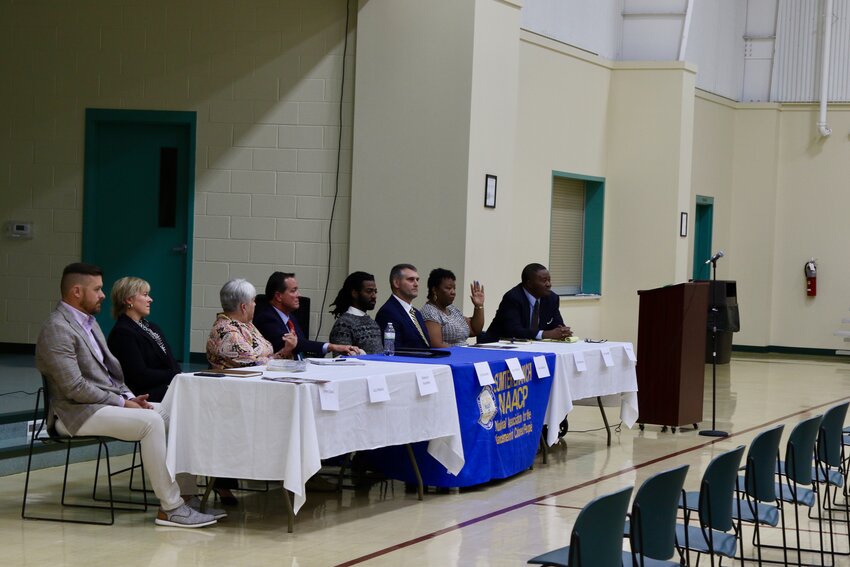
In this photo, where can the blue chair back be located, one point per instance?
(829, 437)
(597, 537)
(760, 466)
(799, 450)
(653, 527)
(717, 490)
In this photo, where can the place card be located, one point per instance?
(606, 356)
(329, 396)
(630, 352)
(516, 369)
(378, 390)
(485, 376)
(541, 367)
(426, 382)
(581, 365)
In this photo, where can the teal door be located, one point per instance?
(138, 202)
(702, 237)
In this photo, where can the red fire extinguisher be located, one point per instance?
(811, 271)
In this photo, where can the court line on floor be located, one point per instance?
(517, 506)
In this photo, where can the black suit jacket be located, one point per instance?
(147, 370)
(513, 318)
(406, 335)
(269, 323)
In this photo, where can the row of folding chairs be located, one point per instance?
(759, 490)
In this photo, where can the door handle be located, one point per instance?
(180, 249)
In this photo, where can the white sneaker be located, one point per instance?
(183, 517)
(195, 504)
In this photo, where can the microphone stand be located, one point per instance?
(713, 432)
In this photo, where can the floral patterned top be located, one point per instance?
(233, 344)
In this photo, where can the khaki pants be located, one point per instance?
(148, 427)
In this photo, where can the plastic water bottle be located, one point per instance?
(389, 340)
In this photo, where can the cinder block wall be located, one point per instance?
(264, 79)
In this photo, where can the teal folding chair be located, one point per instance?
(830, 471)
(795, 476)
(756, 502)
(713, 505)
(651, 528)
(597, 536)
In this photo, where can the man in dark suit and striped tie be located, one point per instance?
(277, 324)
(407, 320)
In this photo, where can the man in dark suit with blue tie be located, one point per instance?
(407, 321)
(274, 319)
(530, 310)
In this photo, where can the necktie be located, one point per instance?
(291, 326)
(416, 324)
(535, 317)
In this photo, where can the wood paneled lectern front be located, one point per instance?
(671, 349)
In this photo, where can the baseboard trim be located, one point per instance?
(17, 348)
(787, 350)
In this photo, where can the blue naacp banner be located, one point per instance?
(500, 423)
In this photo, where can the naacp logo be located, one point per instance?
(486, 407)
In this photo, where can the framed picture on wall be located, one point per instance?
(490, 191)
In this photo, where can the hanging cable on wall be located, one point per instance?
(338, 160)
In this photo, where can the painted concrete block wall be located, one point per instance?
(264, 79)
(811, 220)
(752, 239)
(411, 137)
(650, 117)
(492, 150)
(561, 126)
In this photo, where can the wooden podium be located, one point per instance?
(671, 354)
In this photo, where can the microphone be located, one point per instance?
(716, 257)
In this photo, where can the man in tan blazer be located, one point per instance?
(88, 395)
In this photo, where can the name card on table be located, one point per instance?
(541, 367)
(606, 357)
(485, 376)
(516, 369)
(426, 382)
(329, 396)
(630, 352)
(378, 390)
(581, 365)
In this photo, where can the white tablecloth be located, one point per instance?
(569, 385)
(263, 430)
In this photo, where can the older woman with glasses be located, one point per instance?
(138, 344)
(234, 341)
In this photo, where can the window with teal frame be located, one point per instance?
(575, 243)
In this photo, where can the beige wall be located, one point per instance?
(432, 115)
(752, 239)
(264, 79)
(628, 123)
(811, 220)
(780, 197)
(561, 126)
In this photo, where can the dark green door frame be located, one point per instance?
(703, 224)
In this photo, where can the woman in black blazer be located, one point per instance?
(140, 346)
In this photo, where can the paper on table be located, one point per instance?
(329, 396)
(336, 361)
(516, 369)
(485, 376)
(426, 382)
(378, 390)
(541, 366)
(606, 357)
(581, 365)
(630, 352)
